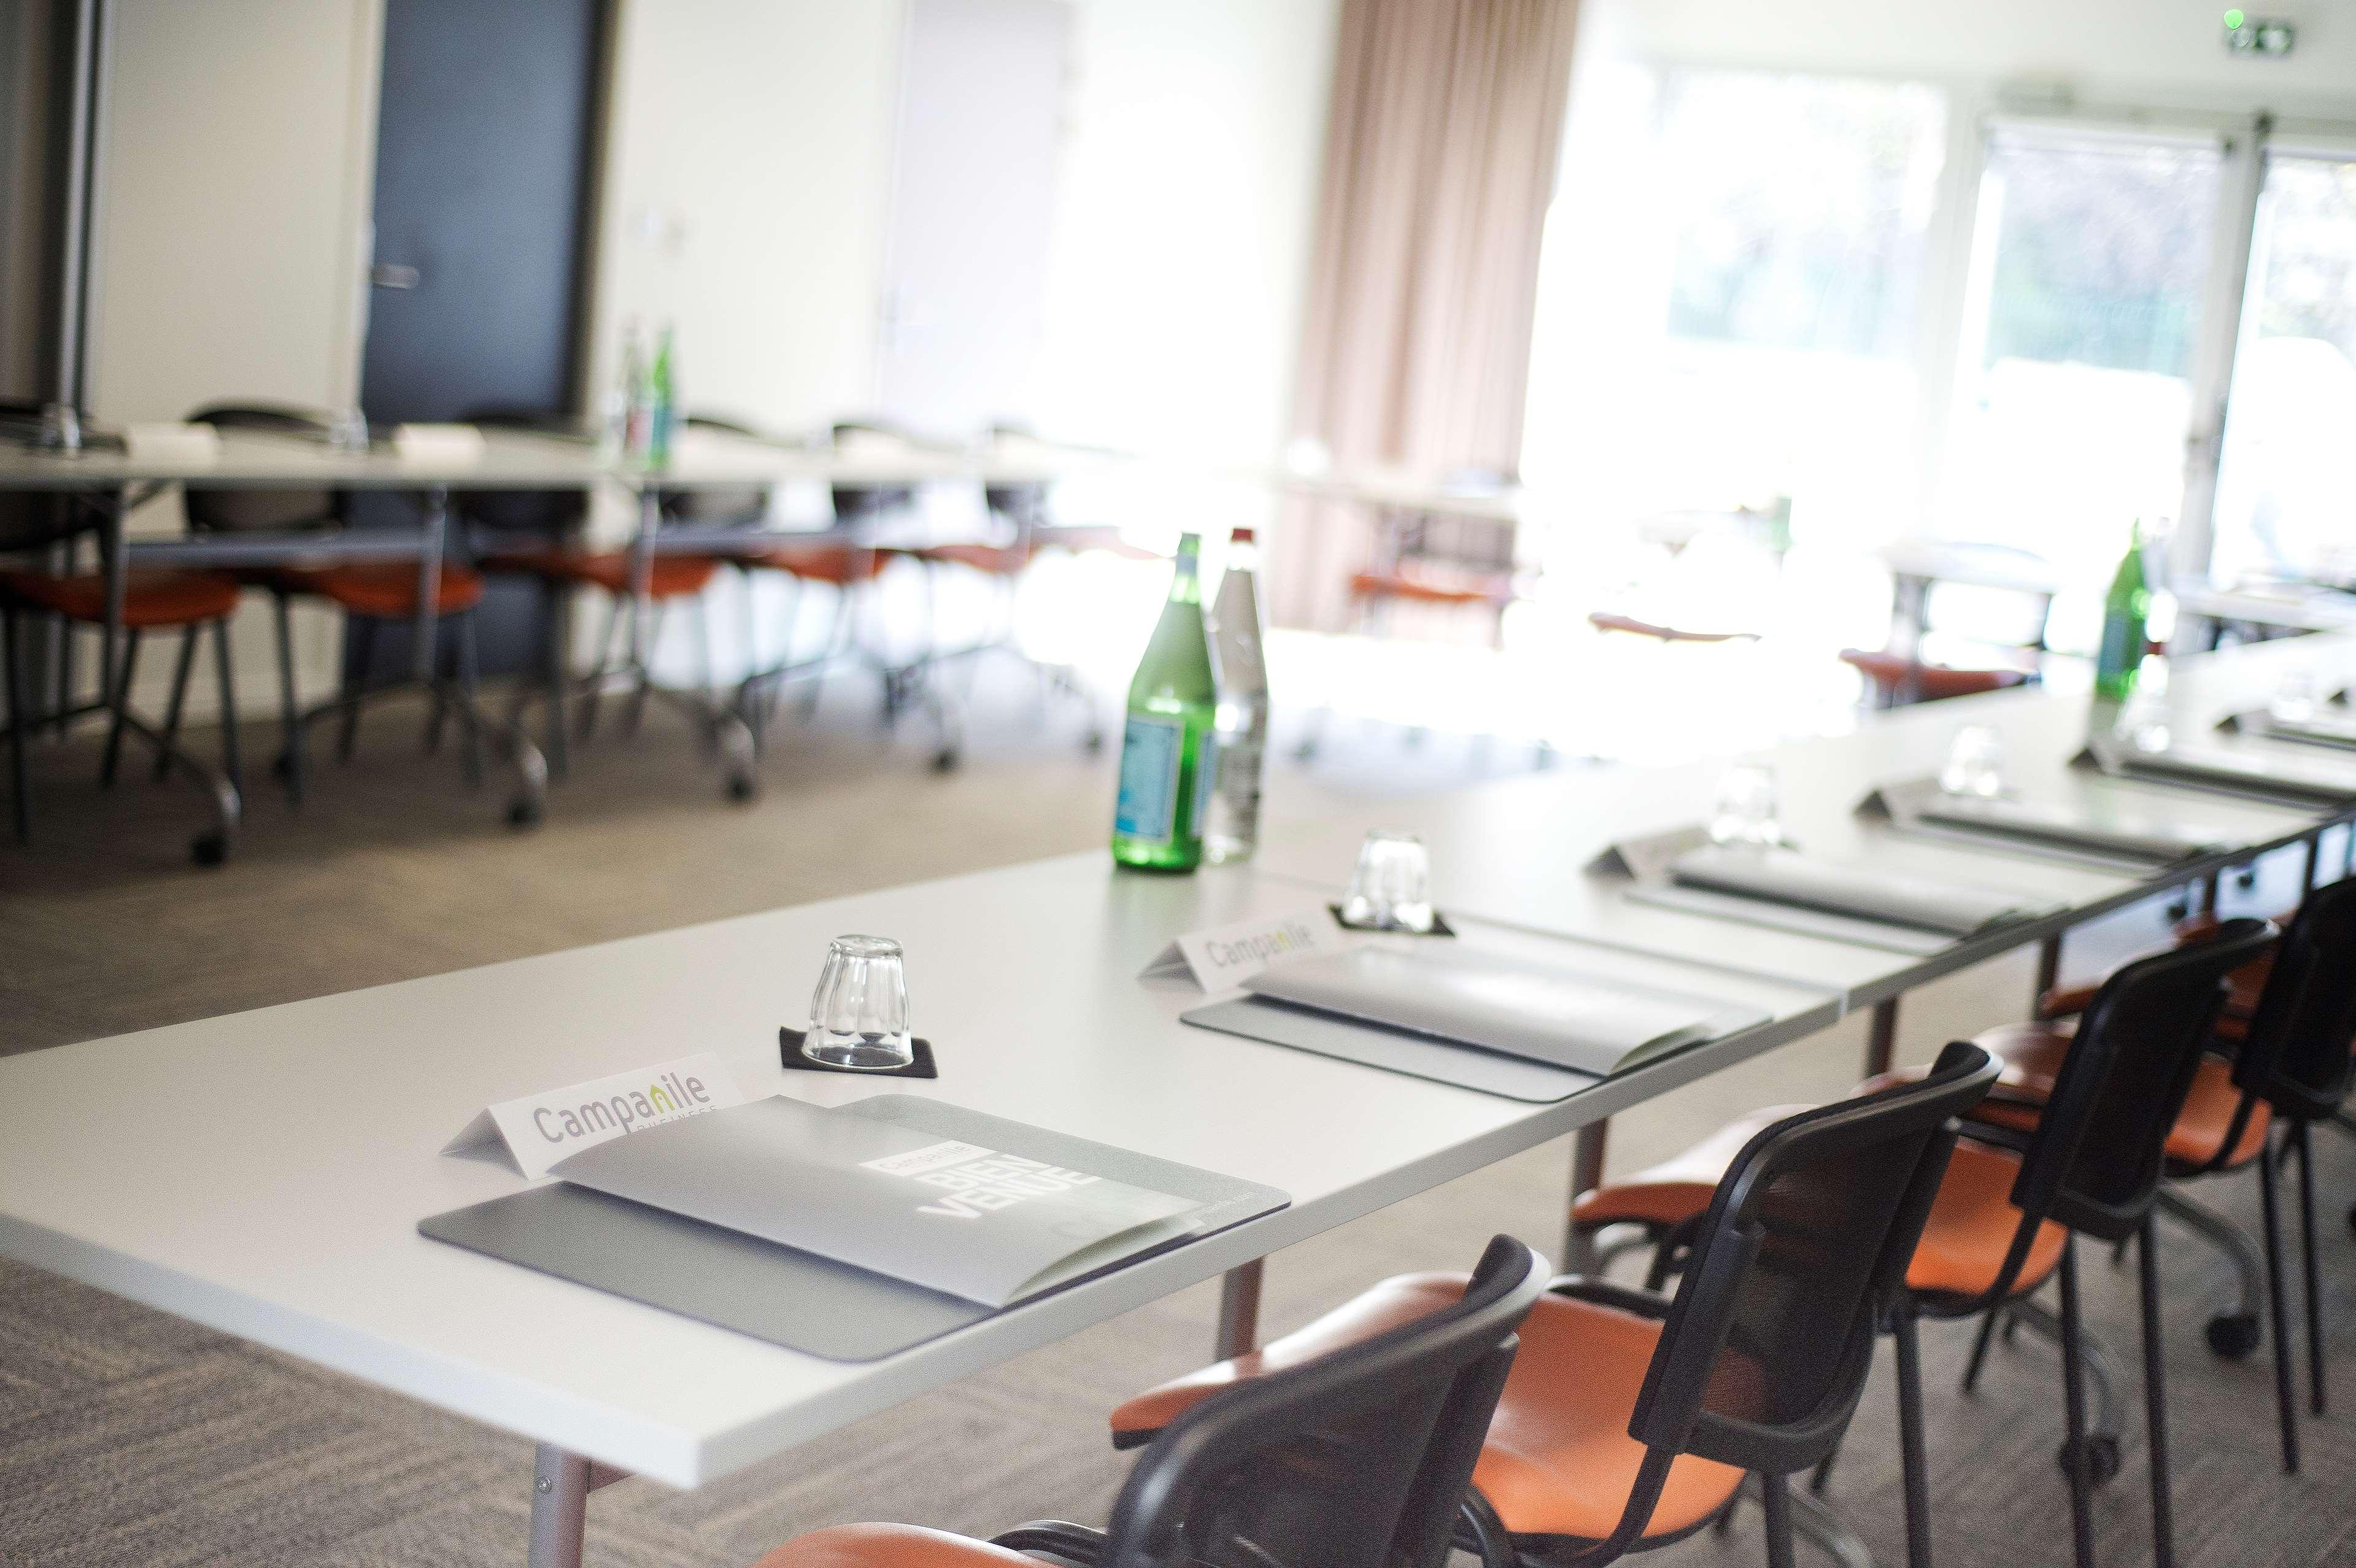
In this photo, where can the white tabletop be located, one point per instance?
(1402, 489)
(263, 1173)
(1972, 565)
(2300, 607)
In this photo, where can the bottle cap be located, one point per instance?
(1240, 536)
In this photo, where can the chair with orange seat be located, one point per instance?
(2009, 1207)
(191, 603)
(1895, 680)
(1356, 1458)
(1629, 1421)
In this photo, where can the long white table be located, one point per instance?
(264, 1174)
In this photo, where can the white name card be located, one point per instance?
(1230, 955)
(539, 1129)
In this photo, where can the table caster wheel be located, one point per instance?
(946, 760)
(1094, 741)
(526, 811)
(741, 787)
(2352, 1217)
(211, 848)
(2233, 1335)
(2102, 1459)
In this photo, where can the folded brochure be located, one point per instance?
(1784, 876)
(991, 1226)
(1467, 996)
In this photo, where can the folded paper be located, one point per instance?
(535, 1131)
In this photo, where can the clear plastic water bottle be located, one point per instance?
(1231, 826)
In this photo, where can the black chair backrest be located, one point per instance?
(2296, 1057)
(35, 520)
(264, 510)
(717, 506)
(1359, 1459)
(857, 503)
(2101, 1143)
(524, 511)
(1766, 1348)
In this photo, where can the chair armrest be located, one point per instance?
(1603, 1293)
(1057, 1542)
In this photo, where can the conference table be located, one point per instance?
(115, 478)
(2274, 608)
(264, 1174)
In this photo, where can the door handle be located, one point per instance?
(394, 275)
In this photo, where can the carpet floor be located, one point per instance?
(129, 1439)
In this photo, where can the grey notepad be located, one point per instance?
(2106, 830)
(2254, 774)
(787, 1296)
(1950, 909)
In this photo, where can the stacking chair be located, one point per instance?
(1629, 1421)
(1355, 1460)
(2012, 1202)
(1894, 680)
(2290, 1066)
(189, 602)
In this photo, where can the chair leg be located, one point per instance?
(1914, 1462)
(290, 719)
(2155, 1397)
(605, 660)
(2278, 1309)
(1775, 1493)
(469, 655)
(2074, 1401)
(180, 697)
(20, 719)
(224, 675)
(1980, 1347)
(361, 655)
(635, 709)
(121, 705)
(555, 652)
(2313, 1268)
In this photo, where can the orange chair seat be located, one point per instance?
(150, 599)
(1964, 1242)
(891, 1546)
(387, 591)
(996, 559)
(668, 576)
(1889, 672)
(1399, 585)
(2032, 1053)
(2243, 987)
(840, 565)
(1608, 620)
(1558, 1459)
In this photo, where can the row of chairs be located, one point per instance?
(1570, 1422)
(530, 536)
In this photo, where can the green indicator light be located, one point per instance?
(2233, 20)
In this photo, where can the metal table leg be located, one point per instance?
(1587, 1146)
(561, 1485)
(1238, 1330)
(1881, 1039)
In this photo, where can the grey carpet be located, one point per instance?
(129, 1438)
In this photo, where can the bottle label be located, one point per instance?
(1150, 750)
(2122, 647)
(1207, 773)
(1238, 778)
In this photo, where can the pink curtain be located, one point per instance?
(1439, 160)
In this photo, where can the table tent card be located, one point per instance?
(2104, 830)
(2331, 727)
(533, 1132)
(1227, 956)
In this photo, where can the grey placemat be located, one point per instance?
(788, 1297)
(1392, 1050)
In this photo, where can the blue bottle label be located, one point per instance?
(1150, 751)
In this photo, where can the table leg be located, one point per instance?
(1881, 1039)
(1238, 1330)
(1586, 1147)
(2049, 970)
(561, 1485)
(2314, 860)
(436, 533)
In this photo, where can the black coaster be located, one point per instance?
(1439, 926)
(789, 1057)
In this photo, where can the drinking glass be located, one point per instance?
(1745, 815)
(859, 1018)
(2294, 702)
(1974, 763)
(2143, 719)
(1390, 889)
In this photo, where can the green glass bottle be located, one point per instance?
(2126, 610)
(1168, 749)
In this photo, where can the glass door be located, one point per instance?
(2287, 478)
(2081, 359)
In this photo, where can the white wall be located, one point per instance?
(1186, 216)
(2168, 51)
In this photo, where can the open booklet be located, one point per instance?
(2296, 779)
(2098, 826)
(1465, 995)
(1786, 877)
(990, 1225)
